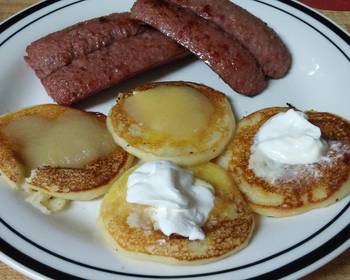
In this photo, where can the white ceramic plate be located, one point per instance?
(69, 246)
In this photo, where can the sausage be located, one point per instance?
(108, 66)
(59, 49)
(250, 31)
(223, 53)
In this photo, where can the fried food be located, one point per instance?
(183, 122)
(304, 186)
(86, 181)
(228, 229)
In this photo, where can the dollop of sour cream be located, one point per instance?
(177, 202)
(286, 138)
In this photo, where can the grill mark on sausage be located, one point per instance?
(223, 53)
(111, 65)
(261, 40)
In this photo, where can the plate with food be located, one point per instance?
(173, 139)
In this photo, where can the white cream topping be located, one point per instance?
(290, 138)
(287, 138)
(178, 202)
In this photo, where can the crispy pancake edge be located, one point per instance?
(94, 188)
(216, 236)
(162, 259)
(10, 166)
(238, 167)
(182, 159)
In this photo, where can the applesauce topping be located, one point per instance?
(179, 111)
(71, 140)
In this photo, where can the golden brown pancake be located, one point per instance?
(314, 185)
(151, 143)
(83, 183)
(228, 229)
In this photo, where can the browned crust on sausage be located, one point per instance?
(58, 49)
(109, 66)
(224, 54)
(261, 40)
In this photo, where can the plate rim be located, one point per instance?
(287, 270)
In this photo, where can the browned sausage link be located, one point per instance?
(110, 65)
(58, 49)
(225, 55)
(253, 33)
